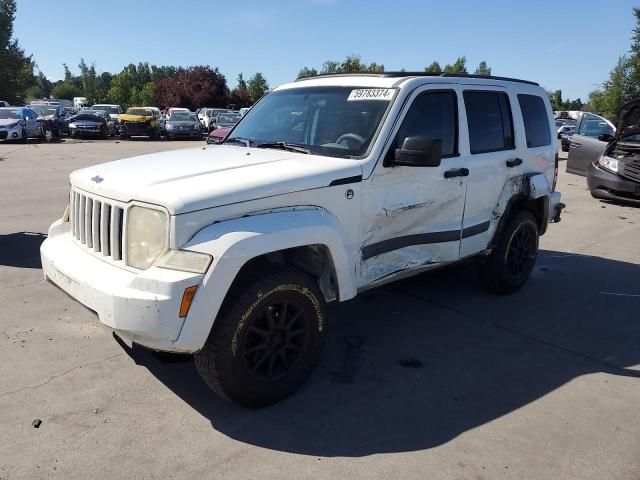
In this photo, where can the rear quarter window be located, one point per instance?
(536, 121)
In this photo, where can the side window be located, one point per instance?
(489, 120)
(592, 126)
(536, 121)
(432, 114)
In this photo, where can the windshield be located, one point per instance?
(5, 114)
(105, 108)
(222, 118)
(139, 111)
(44, 110)
(183, 117)
(332, 121)
(92, 116)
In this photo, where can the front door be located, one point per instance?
(412, 216)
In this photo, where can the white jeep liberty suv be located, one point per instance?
(327, 187)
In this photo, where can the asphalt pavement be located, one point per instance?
(427, 378)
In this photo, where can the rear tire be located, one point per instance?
(267, 338)
(510, 264)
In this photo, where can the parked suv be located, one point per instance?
(328, 186)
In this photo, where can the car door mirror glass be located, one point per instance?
(419, 151)
(605, 137)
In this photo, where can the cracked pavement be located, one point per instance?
(540, 384)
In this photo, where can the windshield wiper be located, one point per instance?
(285, 146)
(244, 141)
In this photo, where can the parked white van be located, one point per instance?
(327, 187)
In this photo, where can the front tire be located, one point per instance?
(510, 264)
(267, 338)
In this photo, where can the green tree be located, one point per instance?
(306, 72)
(433, 68)
(483, 69)
(148, 94)
(16, 68)
(257, 87)
(330, 67)
(65, 90)
(459, 66)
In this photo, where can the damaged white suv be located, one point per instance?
(327, 187)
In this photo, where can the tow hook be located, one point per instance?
(556, 215)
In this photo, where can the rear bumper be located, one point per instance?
(141, 306)
(609, 186)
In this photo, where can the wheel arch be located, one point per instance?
(526, 192)
(308, 239)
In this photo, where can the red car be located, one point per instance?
(218, 135)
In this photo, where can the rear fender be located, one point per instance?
(530, 191)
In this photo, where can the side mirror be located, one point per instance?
(606, 137)
(419, 151)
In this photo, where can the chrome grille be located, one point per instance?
(631, 170)
(97, 224)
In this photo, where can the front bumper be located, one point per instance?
(141, 306)
(177, 133)
(137, 129)
(609, 186)
(14, 133)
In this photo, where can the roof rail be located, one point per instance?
(418, 74)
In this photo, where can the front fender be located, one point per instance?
(233, 243)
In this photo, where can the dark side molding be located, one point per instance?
(397, 243)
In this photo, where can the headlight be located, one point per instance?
(146, 236)
(12, 125)
(196, 126)
(609, 163)
(168, 126)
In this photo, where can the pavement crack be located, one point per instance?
(610, 366)
(53, 377)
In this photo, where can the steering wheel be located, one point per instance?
(351, 136)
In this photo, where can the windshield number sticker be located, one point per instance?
(370, 94)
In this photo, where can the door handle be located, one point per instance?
(456, 172)
(514, 162)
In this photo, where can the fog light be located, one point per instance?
(15, 134)
(187, 298)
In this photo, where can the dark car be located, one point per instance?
(588, 142)
(227, 120)
(565, 139)
(615, 175)
(91, 123)
(182, 125)
(52, 117)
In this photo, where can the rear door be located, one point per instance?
(490, 154)
(585, 147)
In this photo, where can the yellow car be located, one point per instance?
(140, 121)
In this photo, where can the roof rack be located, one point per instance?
(419, 74)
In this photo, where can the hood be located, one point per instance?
(220, 132)
(8, 121)
(199, 178)
(125, 117)
(629, 119)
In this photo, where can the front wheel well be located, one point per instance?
(315, 260)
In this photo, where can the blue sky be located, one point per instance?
(562, 45)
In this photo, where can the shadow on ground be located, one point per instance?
(482, 357)
(21, 249)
